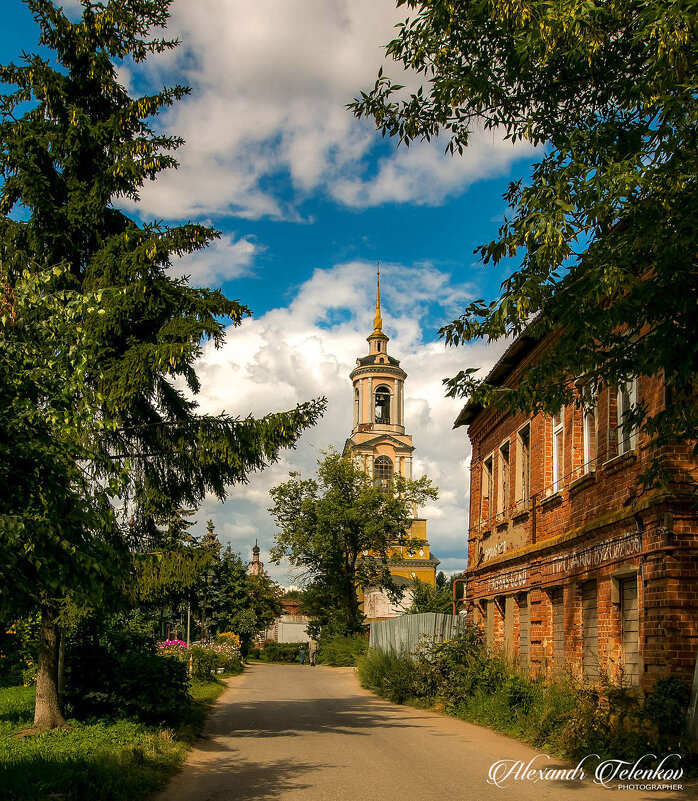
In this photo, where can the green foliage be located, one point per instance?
(390, 674)
(665, 707)
(17, 649)
(114, 670)
(559, 714)
(282, 651)
(98, 341)
(239, 602)
(342, 651)
(204, 662)
(428, 598)
(96, 761)
(605, 233)
(328, 524)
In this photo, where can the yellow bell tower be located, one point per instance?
(378, 442)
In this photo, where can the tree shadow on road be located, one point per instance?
(354, 716)
(232, 779)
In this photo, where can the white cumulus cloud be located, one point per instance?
(267, 126)
(293, 354)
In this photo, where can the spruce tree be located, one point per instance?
(73, 144)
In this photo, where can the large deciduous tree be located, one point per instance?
(73, 144)
(606, 230)
(341, 531)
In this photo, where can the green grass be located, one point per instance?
(97, 760)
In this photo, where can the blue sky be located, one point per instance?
(308, 200)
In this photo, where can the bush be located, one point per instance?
(282, 651)
(518, 693)
(203, 662)
(390, 674)
(342, 651)
(559, 714)
(113, 670)
(18, 641)
(666, 705)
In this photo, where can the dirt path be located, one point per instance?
(290, 732)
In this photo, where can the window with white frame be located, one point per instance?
(625, 401)
(558, 451)
(589, 435)
(504, 488)
(486, 494)
(523, 466)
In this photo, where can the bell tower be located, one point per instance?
(378, 440)
(379, 444)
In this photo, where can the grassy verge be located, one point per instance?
(559, 714)
(95, 760)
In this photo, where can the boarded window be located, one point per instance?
(590, 632)
(556, 598)
(509, 625)
(489, 622)
(524, 630)
(630, 629)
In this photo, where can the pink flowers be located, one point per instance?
(174, 648)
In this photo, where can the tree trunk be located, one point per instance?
(47, 712)
(61, 667)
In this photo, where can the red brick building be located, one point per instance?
(569, 561)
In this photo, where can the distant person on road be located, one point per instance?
(312, 651)
(301, 655)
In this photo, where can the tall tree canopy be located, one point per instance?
(606, 231)
(340, 531)
(73, 143)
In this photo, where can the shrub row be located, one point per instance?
(115, 670)
(282, 651)
(560, 713)
(342, 651)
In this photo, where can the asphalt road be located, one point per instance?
(290, 732)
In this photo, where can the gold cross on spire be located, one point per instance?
(378, 321)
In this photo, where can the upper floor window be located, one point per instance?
(504, 487)
(382, 405)
(486, 491)
(589, 435)
(357, 407)
(625, 401)
(558, 449)
(523, 465)
(382, 472)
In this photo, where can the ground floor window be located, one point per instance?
(558, 615)
(630, 628)
(590, 632)
(524, 630)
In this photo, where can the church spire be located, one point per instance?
(378, 320)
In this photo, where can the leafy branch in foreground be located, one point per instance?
(606, 230)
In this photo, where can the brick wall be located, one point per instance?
(599, 526)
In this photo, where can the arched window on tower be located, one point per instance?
(382, 405)
(382, 472)
(357, 408)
